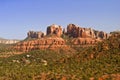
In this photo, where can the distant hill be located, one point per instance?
(8, 41)
(2, 38)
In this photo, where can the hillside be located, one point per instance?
(100, 62)
(8, 41)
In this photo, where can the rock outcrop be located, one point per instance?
(33, 34)
(76, 31)
(101, 35)
(54, 30)
(84, 41)
(80, 37)
(43, 43)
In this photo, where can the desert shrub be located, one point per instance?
(57, 65)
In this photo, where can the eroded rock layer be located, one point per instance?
(80, 37)
(54, 30)
(76, 31)
(35, 34)
(43, 43)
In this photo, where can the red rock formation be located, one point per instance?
(72, 30)
(33, 34)
(76, 31)
(84, 41)
(54, 29)
(81, 36)
(43, 43)
(103, 35)
(110, 77)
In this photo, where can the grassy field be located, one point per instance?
(84, 64)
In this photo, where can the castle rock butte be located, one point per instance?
(77, 36)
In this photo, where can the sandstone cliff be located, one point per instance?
(80, 37)
(76, 31)
(43, 43)
(54, 30)
(34, 34)
(72, 31)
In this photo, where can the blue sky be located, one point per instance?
(17, 17)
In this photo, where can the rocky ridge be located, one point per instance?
(76, 31)
(43, 43)
(34, 34)
(53, 39)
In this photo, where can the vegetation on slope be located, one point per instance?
(85, 64)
